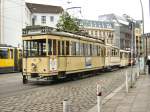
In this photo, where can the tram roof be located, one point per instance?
(40, 30)
(110, 45)
(6, 46)
(124, 51)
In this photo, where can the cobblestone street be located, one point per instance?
(48, 98)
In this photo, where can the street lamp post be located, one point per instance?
(145, 56)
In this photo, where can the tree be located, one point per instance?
(67, 23)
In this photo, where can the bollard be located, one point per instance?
(131, 79)
(127, 87)
(99, 98)
(65, 106)
(138, 72)
(133, 75)
(147, 70)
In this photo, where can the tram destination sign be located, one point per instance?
(36, 30)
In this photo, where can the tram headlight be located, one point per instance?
(44, 70)
(25, 69)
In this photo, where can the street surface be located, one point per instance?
(32, 97)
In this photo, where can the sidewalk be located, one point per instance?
(137, 100)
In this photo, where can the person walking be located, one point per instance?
(148, 63)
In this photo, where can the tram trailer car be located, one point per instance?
(124, 58)
(112, 57)
(52, 54)
(10, 59)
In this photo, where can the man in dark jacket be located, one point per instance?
(148, 63)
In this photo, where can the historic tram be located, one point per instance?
(124, 58)
(10, 59)
(51, 54)
(112, 57)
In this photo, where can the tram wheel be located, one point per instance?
(24, 80)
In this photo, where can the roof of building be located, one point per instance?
(42, 8)
(96, 24)
(112, 16)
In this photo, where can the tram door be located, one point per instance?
(62, 61)
(15, 60)
(108, 57)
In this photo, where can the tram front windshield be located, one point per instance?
(33, 48)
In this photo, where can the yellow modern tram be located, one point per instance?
(57, 54)
(10, 59)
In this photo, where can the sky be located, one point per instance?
(90, 9)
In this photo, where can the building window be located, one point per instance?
(95, 33)
(43, 19)
(51, 18)
(91, 32)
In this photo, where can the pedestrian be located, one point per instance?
(148, 63)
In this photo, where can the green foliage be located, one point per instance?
(67, 23)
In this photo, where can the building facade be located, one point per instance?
(44, 15)
(16, 14)
(147, 44)
(138, 38)
(11, 21)
(121, 28)
(99, 29)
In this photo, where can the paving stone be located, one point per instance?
(81, 94)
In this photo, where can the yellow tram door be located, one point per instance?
(52, 52)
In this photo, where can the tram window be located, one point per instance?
(35, 48)
(67, 48)
(41, 48)
(116, 52)
(73, 48)
(113, 53)
(91, 51)
(54, 47)
(121, 55)
(11, 54)
(59, 48)
(97, 50)
(25, 46)
(4, 53)
(77, 48)
(50, 47)
(63, 47)
(81, 49)
(107, 52)
(86, 49)
(102, 52)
